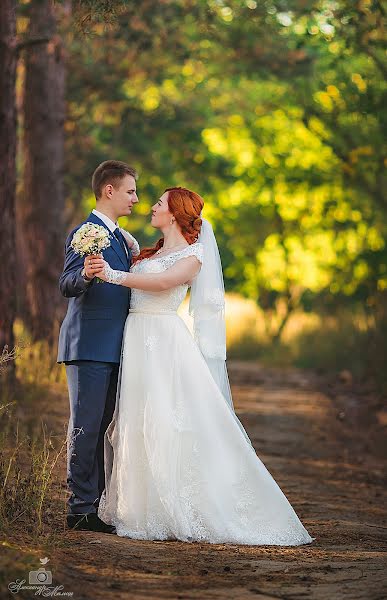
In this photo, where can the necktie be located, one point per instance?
(117, 233)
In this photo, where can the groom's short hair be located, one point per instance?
(110, 171)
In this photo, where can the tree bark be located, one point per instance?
(7, 175)
(41, 204)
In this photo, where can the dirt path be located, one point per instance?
(322, 442)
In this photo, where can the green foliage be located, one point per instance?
(273, 111)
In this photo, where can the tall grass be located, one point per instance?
(27, 483)
(31, 500)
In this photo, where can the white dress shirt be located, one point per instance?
(108, 222)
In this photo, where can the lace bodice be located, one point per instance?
(167, 300)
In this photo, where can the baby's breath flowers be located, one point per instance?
(90, 239)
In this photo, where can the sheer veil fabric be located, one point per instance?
(207, 307)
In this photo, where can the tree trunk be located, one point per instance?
(41, 204)
(7, 176)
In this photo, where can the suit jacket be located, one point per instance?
(93, 326)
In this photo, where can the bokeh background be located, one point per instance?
(273, 110)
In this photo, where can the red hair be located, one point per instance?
(186, 207)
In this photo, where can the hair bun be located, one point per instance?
(197, 224)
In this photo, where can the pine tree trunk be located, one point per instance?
(7, 176)
(41, 205)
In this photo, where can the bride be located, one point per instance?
(179, 464)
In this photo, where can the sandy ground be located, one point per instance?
(322, 440)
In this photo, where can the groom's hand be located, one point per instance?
(93, 264)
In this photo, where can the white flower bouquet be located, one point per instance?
(90, 239)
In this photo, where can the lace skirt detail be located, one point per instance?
(177, 463)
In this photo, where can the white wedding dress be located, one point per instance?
(178, 463)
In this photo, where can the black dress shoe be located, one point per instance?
(88, 522)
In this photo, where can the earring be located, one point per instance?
(172, 221)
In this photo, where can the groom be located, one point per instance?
(90, 344)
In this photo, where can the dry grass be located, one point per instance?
(31, 500)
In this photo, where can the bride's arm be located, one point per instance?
(183, 271)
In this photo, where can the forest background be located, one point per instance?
(273, 110)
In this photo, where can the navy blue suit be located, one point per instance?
(90, 346)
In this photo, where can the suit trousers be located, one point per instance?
(92, 389)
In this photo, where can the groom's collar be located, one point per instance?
(105, 219)
(115, 244)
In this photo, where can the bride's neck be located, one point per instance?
(173, 238)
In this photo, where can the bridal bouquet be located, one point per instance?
(90, 239)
